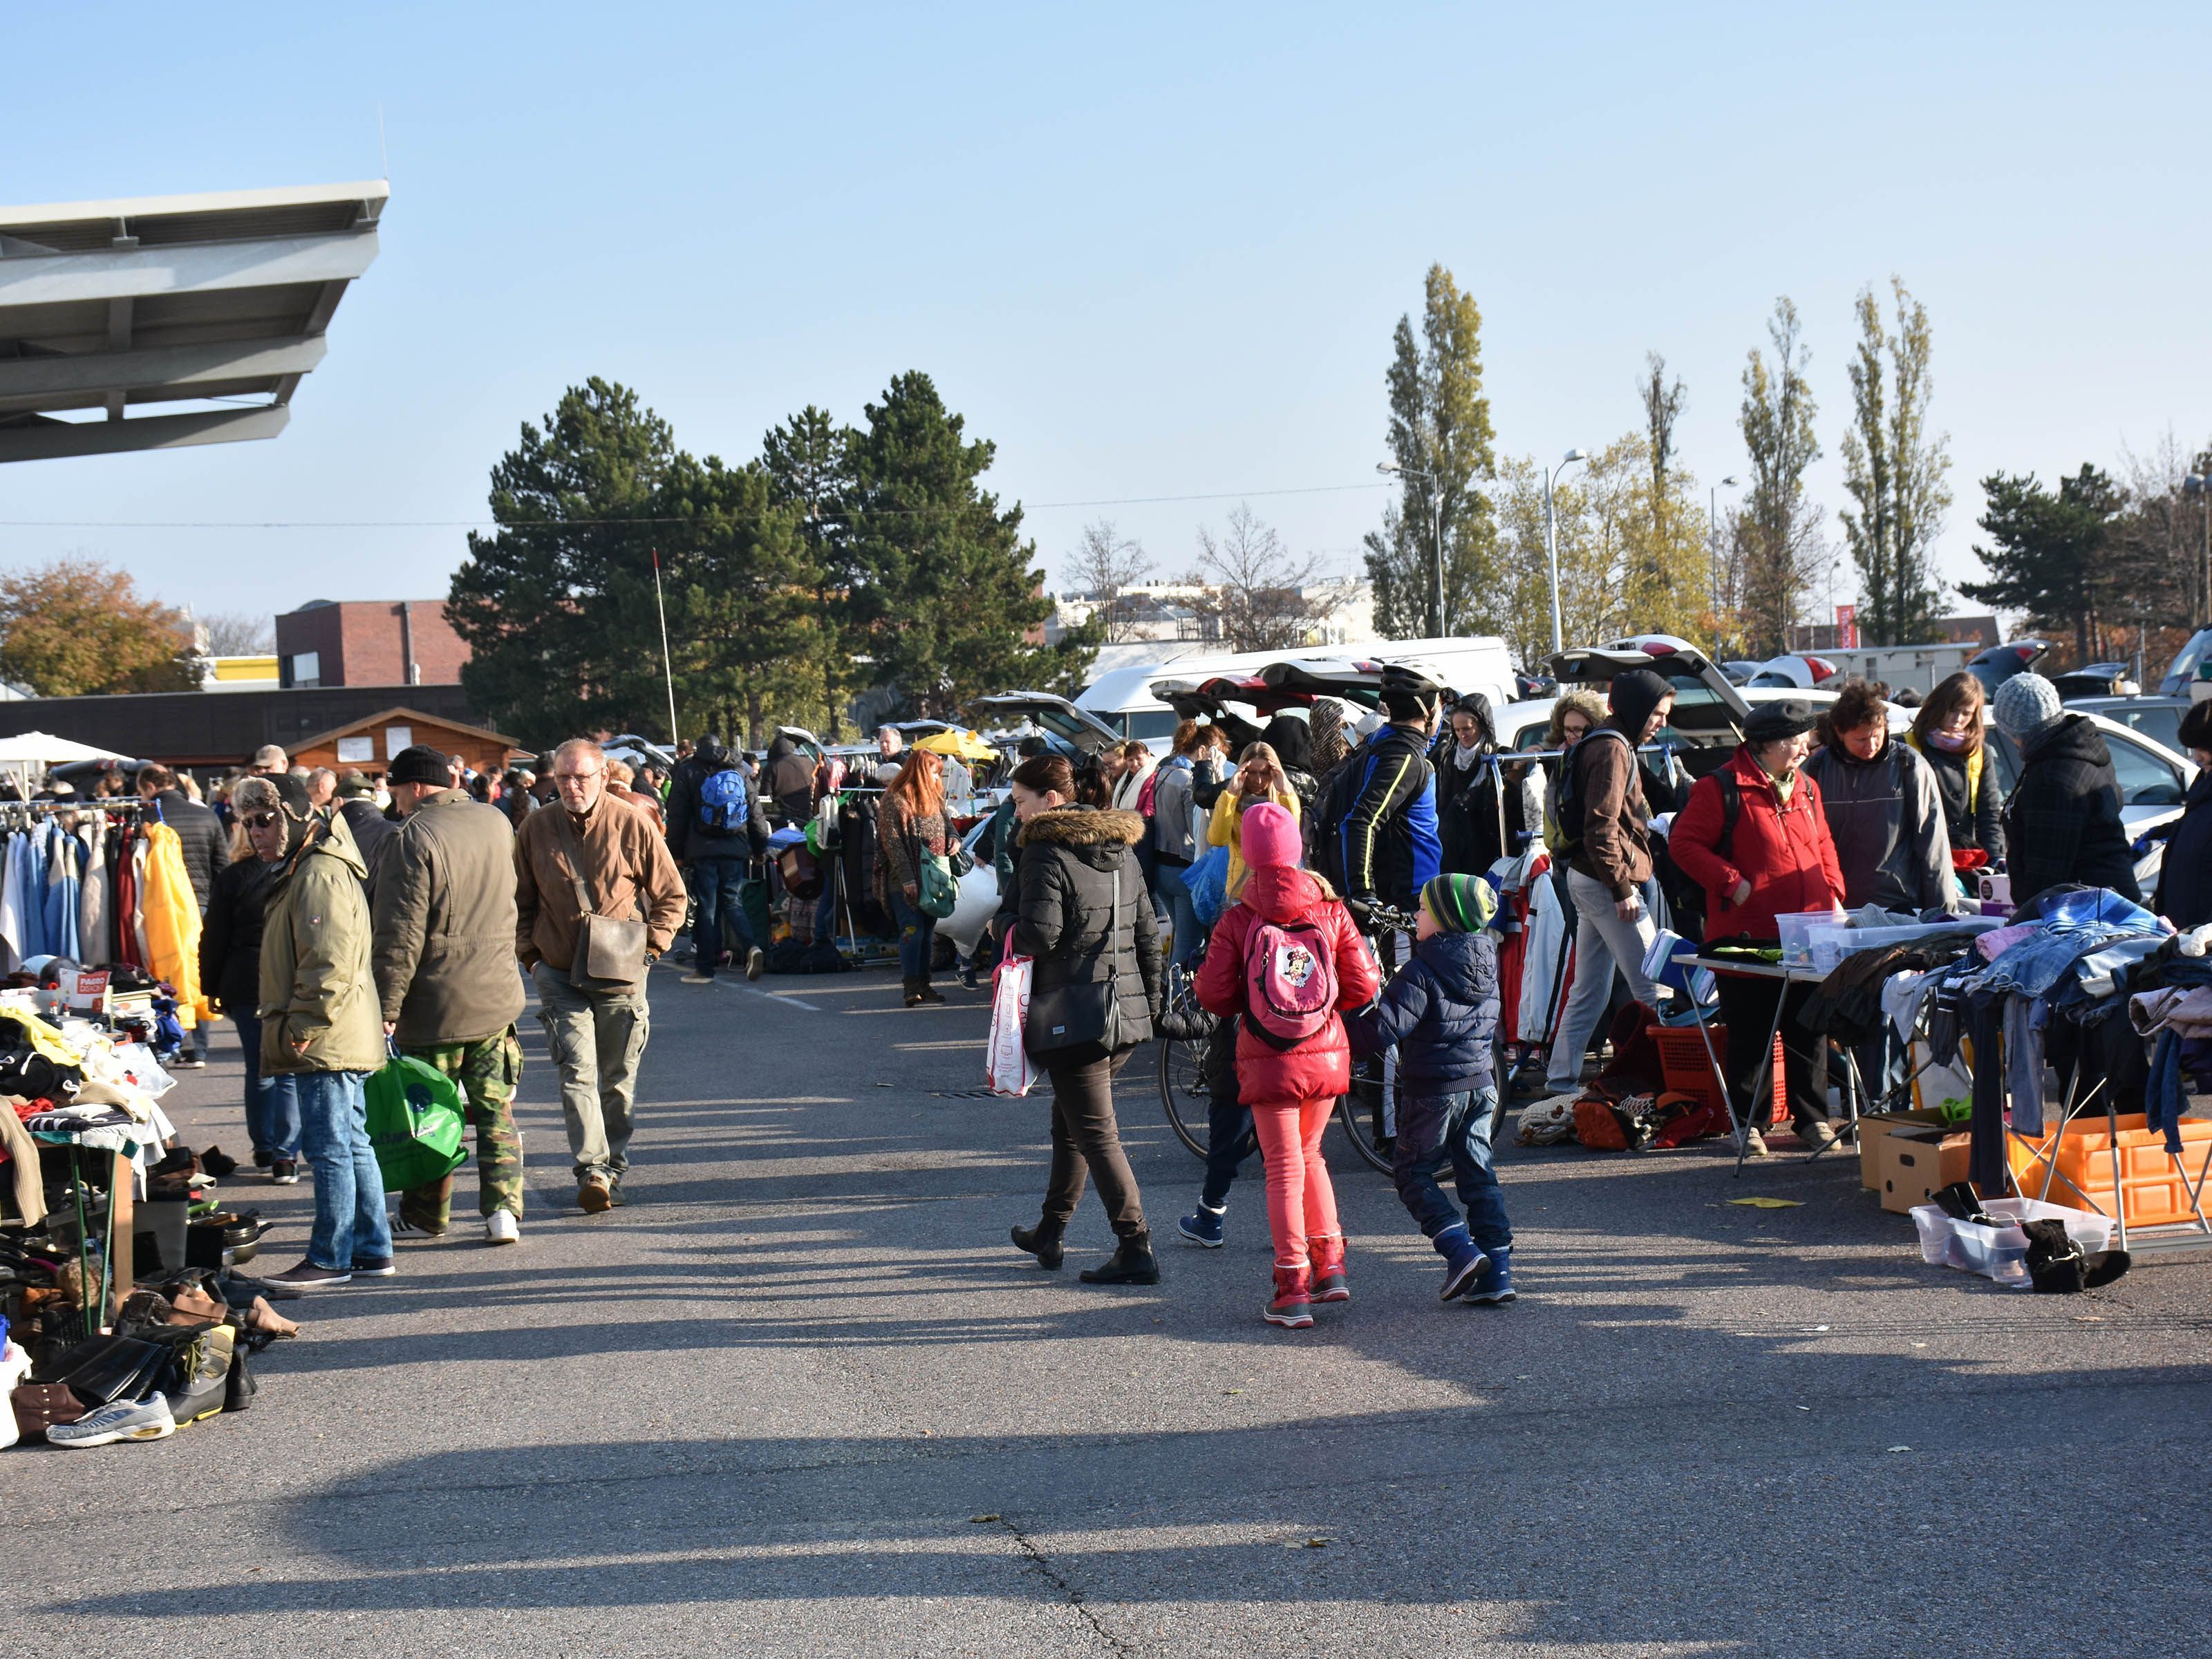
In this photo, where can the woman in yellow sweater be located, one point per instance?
(1260, 777)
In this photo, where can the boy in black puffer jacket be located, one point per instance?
(1441, 1012)
(1228, 1138)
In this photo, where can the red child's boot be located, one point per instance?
(1291, 1307)
(1328, 1280)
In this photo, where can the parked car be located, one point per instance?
(2158, 719)
(2187, 665)
(2098, 679)
(1994, 666)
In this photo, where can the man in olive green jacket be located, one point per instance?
(321, 1026)
(445, 973)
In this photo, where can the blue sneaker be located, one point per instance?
(1462, 1261)
(1204, 1229)
(1495, 1282)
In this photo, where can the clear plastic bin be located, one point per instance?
(2000, 1253)
(1829, 942)
(1796, 930)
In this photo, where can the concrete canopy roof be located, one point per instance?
(215, 298)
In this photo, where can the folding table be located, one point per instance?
(1763, 1087)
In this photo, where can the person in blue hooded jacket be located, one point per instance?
(1441, 1014)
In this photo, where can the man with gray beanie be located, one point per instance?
(444, 910)
(2062, 823)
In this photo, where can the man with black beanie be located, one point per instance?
(1378, 840)
(1602, 817)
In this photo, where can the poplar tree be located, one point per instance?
(1895, 471)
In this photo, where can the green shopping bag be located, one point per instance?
(415, 1123)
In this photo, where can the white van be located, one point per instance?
(1123, 699)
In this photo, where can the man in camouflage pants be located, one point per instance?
(444, 957)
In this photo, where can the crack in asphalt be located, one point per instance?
(1068, 1587)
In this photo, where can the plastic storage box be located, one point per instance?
(2000, 1253)
(1796, 930)
(2156, 1189)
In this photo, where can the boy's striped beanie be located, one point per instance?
(1460, 904)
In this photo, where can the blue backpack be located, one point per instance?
(722, 802)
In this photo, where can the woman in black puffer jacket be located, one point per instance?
(2063, 821)
(1076, 861)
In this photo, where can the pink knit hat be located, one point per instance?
(1269, 835)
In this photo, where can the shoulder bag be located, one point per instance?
(1070, 1015)
(609, 949)
(937, 888)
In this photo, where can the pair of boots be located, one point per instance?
(1471, 1273)
(919, 991)
(1319, 1278)
(1131, 1262)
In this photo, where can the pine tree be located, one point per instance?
(1440, 438)
(2046, 553)
(809, 463)
(556, 603)
(948, 598)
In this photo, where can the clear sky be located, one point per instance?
(1150, 251)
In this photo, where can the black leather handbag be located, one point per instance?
(1071, 1015)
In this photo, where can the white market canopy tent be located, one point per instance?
(41, 749)
(219, 300)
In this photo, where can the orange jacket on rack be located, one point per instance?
(172, 913)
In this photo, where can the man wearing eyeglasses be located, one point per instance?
(585, 876)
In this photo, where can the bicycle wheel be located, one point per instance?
(1183, 1095)
(1370, 1112)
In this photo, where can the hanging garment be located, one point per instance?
(63, 890)
(1543, 972)
(92, 899)
(27, 884)
(171, 914)
(140, 953)
(12, 938)
(121, 895)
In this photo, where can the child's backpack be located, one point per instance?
(1290, 981)
(722, 802)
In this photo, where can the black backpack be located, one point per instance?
(1686, 898)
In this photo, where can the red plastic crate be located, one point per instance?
(1683, 1063)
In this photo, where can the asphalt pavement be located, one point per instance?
(801, 1396)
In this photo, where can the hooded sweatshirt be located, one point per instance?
(1615, 848)
(1321, 1065)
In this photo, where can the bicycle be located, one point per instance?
(1182, 1066)
(1369, 1110)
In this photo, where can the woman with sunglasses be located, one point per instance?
(230, 967)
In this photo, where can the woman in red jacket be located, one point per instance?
(1776, 858)
(1291, 1087)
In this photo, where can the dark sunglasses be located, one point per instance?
(260, 820)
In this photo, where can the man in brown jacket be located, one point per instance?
(1608, 862)
(596, 1030)
(443, 906)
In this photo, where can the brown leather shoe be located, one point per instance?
(593, 1194)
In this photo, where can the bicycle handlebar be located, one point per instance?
(1373, 915)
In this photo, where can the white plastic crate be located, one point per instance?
(2000, 1253)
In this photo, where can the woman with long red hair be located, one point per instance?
(910, 822)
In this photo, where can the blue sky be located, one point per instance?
(1150, 251)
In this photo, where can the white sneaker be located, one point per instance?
(1754, 1144)
(126, 1419)
(755, 959)
(502, 1228)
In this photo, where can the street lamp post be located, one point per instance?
(1436, 519)
(1551, 544)
(2198, 484)
(1713, 549)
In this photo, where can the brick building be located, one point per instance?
(368, 643)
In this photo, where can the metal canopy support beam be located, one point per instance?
(153, 367)
(186, 268)
(54, 440)
(318, 318)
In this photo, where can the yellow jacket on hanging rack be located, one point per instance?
(172, 912)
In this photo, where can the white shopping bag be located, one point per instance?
(1006, 1065)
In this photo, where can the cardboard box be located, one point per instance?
(1874, 1128)
(1917, 1163)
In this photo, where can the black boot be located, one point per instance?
(1131, 1263)
(912, 987)
(1043, 1242)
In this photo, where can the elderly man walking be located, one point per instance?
(443, 906)
(596, 899)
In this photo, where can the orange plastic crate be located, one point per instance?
(2156, 1192)
(1683, 1063)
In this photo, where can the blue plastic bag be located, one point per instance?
(1208, 881)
